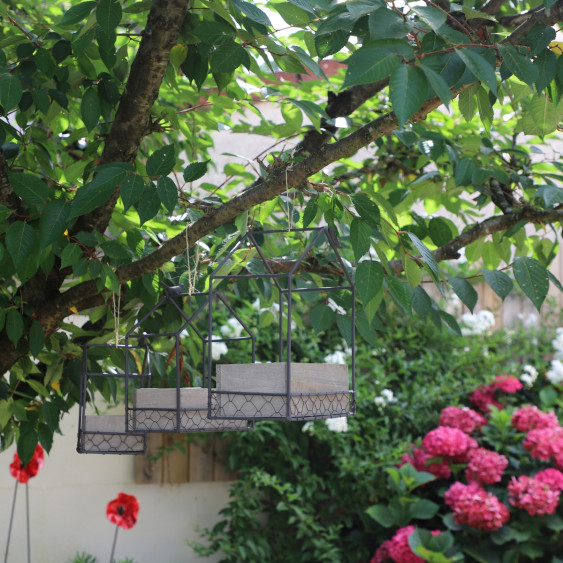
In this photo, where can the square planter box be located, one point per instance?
(259, 391)
(156, 410)
(106, 434)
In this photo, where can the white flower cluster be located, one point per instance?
(338, 357)
(555, 372)
(233, 329)
(529, 375)
(384, 398)
(479, 323)
(530, 321)
(219, 349)
(339, 424)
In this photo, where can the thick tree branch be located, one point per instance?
(133, 118)
(7, 195)
(450, 251)
(542, 16)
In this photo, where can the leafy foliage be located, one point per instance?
(107, 135)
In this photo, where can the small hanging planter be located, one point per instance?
(285, 389)
(107, 433)
(178, 408)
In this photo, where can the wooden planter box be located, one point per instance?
(259, 391)
(155, 410)
(107, 434)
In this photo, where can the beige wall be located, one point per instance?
(68, 500)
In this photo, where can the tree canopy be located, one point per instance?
(108, 114)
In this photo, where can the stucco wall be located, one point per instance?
(68, 499)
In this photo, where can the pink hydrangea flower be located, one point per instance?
(418, 458)
(382, 553)
(529, 417)
(448, 442)
(398, 548)
(544, 443)
(485, 466)
(483, 397)
(506, 383)
(463, 418)
(534, 496)
(472, 505)
(553, 477)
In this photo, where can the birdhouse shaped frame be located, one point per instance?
(108, 433)
(178, 408)
(284, 387)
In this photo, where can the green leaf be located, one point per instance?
(367, 210)
(466, 104)
(425, 253)
(77, 13)
(440, 231)
(167, 192)
(228, 58)
(20, 240)
(479, 66)
(253, 12)
(360, 238)
(423, 508)
(90, 108)
(381, 514)
(400, 293)
(27, 442)
(369, 64)
(431, 16)
(148, 206)
(195, 171)
(331, 43)
(97, 192)
(465, 291)
(322, 318)
(70, 255)
(438, 84)
(369, 279)
(161, 161)
(387, 24)
(546, 63)
(554, 281)
(36, 338)
(532, 278)
(550, 195)
(14, 326)
(413, 272)
(4, 213)
(450, 322)
(408, 89)
(543, 116)
(38, 387)
(292, 14)
(108, 15)
(519, 65)
(29, 187)
(10, 92)
(6, 411)
(52, 222)
(131, 190)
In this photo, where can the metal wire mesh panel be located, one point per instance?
(285, 385)
(106, 433)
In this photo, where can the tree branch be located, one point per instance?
(133, 117)
(551, 17)
(7, 195)
(450, 251)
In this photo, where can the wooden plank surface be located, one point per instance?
(175, 460)
(146, 469)
(201, 459)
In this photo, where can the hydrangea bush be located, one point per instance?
(425, 469)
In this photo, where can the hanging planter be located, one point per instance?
(107, 433)
(180, 407)
(286, 388)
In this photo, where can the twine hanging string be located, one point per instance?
(116, 314)
(192, 272)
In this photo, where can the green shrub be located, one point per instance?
(303, 490)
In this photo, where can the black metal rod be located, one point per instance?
(11, 522)
(27, 523)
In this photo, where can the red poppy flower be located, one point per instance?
(123, 510)
(23, 473)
